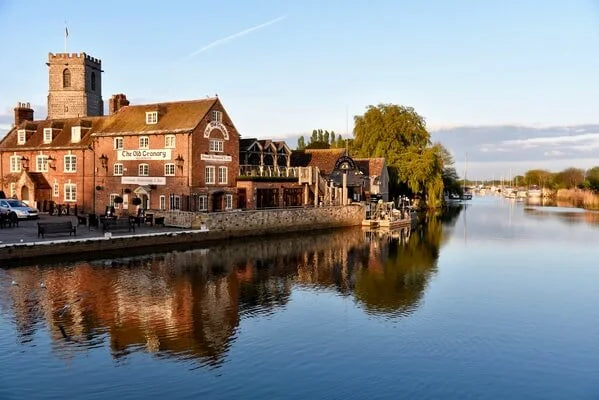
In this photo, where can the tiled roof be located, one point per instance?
(371, 166)
(324, 159)
(245, 144)
(175, 116)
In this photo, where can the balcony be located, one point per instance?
(268, 171)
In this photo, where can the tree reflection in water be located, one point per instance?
(188, 304)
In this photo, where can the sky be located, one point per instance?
(493, 72)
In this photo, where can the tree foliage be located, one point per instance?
(399, 134)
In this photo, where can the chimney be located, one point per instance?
(23, 112)
(116, 102)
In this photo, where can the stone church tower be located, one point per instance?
(75, 82)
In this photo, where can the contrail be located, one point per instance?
(235, 35)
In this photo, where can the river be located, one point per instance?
(492, 299)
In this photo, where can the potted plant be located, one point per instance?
(136, 201)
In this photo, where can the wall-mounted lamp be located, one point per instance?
(25, 162)
(179, 160)
(51, 162)
(104, 161)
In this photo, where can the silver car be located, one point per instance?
(22, 210)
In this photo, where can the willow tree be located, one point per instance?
(399, 134)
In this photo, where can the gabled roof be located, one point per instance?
(246, 144)
(371, 166)
(172, 117)
(324, 159)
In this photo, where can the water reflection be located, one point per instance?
(189, 304)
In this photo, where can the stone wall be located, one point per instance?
(257, 222)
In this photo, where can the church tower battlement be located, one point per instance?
(75, 86)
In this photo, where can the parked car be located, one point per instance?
(22, 210)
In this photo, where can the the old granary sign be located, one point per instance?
(144, 154)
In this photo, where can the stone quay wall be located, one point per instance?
(258, 222)
(220, 227)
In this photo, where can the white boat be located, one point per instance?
(532, 193)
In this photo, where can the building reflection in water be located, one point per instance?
(188, 304)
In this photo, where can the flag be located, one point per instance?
(66, 31)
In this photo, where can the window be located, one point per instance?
(222, 174)
(144, 170)
(152, 117)
(47, 135)
(162, 202)
(216, 145)
(93, 81)
(70, 192)
(15, 163)
(203, 203)
(169, 141)
(217, 116)
(56, 189)
(70, 163)
(175, 201)
(75, 134)
(66, 78)
(144, 142)
(42, 163)
(118, 143)
(21, 136)
(117, 169)
(13, 189)
(228, 202)
(210, 175)
(169, 169)
(111, 200)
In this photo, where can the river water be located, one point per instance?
(493, 299)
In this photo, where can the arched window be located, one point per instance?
(93, 81)
(66, 78)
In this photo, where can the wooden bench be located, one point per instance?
(56, 227)
(120, 224)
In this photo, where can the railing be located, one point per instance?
(267, 170)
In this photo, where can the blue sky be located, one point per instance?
(307, 64)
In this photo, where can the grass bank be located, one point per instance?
(580, 198)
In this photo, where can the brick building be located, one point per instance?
(175, 155)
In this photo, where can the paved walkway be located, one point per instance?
(26, 232)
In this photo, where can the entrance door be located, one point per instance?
(218, 200)
(145, 201)
(25, 194)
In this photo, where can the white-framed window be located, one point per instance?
(21, 136)
(70, 192)
(222, 174)
(117, 169)
(75, 134)
(210, 175)
(143, 170)
(162, 202)
(203, 203)
(144, 142)
(15, 163)
(217, 116)
(151, 117)
(70, 163)
(169, 169)
(228, 202)
(56, 189)
(216, 145)
(13, 189)
(47, 135)
(169, 141)
(175, 201)
(118, 143)
(111, 200)
(41, 163)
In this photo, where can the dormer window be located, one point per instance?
(47, 135)
(151, 117)
(75, 134)
(21, 136)
(217, 116)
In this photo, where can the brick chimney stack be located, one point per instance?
(23, 112)
(116, 102)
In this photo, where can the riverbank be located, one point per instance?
(579, 198)
(185, 229)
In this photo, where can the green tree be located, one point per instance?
(569, 178)
(326, 137)
(332, 137)
(314, 137)
(538, 177)
(301, 143)
(399, 134)
(593, 179)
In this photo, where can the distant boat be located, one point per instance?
(467, 196)
(534, 193)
